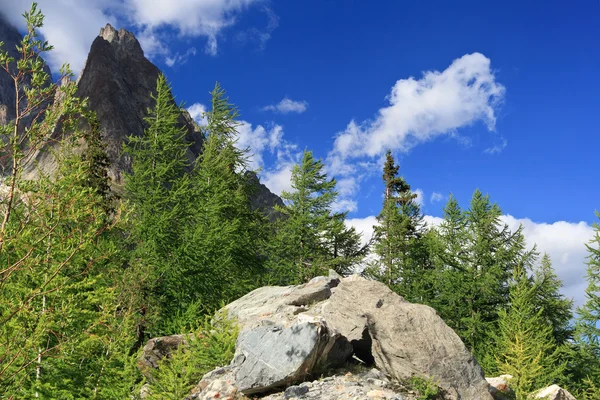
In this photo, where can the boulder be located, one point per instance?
(289, 334)
(499, 387)
(158, 348)
(554, 392)
(342, 385)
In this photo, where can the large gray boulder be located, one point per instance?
(291, 333)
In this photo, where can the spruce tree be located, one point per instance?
(310, 237)
(402, 261)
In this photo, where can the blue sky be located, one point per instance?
(502, 96)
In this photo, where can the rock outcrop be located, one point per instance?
(289, 335)
(118, 79)
(11, 37)
(262, 198)
(356, 385)
(554, 392)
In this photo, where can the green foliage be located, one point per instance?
(475, 255)
(211, 345)
(585, 366)
(402, 260)
(426, 388)
(62, 330)
(224, 235)
(555, 309)
(526, 346)
(310, 237)
(157, 191)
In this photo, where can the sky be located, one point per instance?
(501, 96)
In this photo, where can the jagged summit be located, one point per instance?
(118, 79)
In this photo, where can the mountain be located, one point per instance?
(117, 80)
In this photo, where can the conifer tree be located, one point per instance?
(398, 238)
(310, 237)
(526, 344)
(58, 307)
(555, 308)
(224, 237)
(157, 190)
(587, 325)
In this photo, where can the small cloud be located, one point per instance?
(420, 196)
(197, 112)
(436, 197)
(260, 36)
(497, 148)
(287, 106)
(179, 58)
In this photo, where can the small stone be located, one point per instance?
(295, 391)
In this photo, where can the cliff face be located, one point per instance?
(11, 37)
(117, 79)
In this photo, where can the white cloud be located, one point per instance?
(420, 110)
(197, 112)
(436, 197)
(420, 196)
(563, 241)
(287, 106)
(258, 140)
(72, 26)
(364, 226)
(69, 28)
(180, 58)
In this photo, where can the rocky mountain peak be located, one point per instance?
(118, 80)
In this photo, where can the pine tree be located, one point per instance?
(398, 239)
(526, 344)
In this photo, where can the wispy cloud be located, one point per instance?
(287, 106)
(436, 197)
(179, 58)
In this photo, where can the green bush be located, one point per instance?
(426, 388)
(212, 345)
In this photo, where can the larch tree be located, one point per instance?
(526, 346)
(58, 307)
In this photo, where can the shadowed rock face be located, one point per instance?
(117, 79)
(11, 37)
